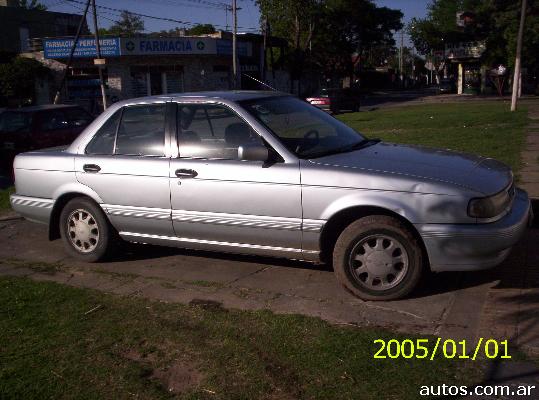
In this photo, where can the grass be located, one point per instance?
(484, 128)
(62, 342)
(4, 198)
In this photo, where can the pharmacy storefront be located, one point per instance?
(141, 66)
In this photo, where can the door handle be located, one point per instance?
(91, 168)
(186, 173)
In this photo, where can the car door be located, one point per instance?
(221, 202)
(126, 163)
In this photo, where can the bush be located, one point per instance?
(18, 77)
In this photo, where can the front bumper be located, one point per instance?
(470, 247)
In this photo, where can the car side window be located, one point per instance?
(103, 141)
(52, 121)
(77, 117)
(142, 131)
(212, 132)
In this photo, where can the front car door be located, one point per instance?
(126, 163)
(221, 202)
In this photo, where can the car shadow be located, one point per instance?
(136, 252)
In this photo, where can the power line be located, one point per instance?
(157, 18)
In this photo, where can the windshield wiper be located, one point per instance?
(361, 144)
(346, 149)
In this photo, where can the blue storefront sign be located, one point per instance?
(224, 47)
(60, 48)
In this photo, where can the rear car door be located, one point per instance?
(127, 163)
(219, 201)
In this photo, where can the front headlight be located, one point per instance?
(488, 207)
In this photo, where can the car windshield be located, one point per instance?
(14, 121)
(305, 130)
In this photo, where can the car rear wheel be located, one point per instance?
(85, 230)
(378, 258)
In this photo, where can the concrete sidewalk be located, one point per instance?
(237, 282)
(512, 308)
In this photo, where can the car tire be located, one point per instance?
(378, 258)
(85, 230)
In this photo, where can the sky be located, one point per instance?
(201, 11)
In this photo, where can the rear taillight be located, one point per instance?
(318, 100)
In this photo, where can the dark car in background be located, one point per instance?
(39, 127)
(336, 100)
(447, 86)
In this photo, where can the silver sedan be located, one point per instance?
(268, 174)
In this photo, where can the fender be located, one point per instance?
(76, 187)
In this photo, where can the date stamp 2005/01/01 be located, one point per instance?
(448, 348)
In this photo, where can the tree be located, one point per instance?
(128, 25)
(354, 27)
(32, 5)
(18, 77)
(326, 33)
(296, 21)
(496, 23)
(201, 29)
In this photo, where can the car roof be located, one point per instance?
(231, 95)
(41, 108)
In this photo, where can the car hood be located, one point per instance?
(480, 174)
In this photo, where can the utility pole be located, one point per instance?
(70, 59)
(516, 76)
(401, 59)
(431, 64)
(98, 49)
(234, 44)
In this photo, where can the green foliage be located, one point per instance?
(496, 22)
(129, 24)
(32, 5)
(201, 29)
(4, 198)
(333, 29)
(17, 78)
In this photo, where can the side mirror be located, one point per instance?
(253, 152)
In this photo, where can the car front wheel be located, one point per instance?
(378, 258)
(85, 230)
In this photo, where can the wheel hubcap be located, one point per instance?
(83, 231)
(379, 262)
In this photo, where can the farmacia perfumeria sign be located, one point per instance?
(139, 46)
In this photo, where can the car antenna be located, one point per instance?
(259, 81)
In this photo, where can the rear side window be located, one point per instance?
(142, 131)
(103, 140)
